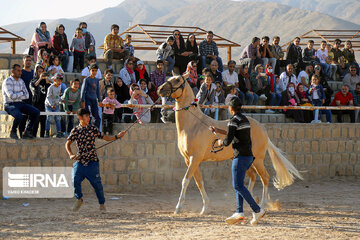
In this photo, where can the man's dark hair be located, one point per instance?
(210, 32)
(231, 62)
(74, 80)
(337, 40)
(297, 38)
(93, 66)
(82, 23)
(323, 41)
(114, 26)
(266, 38)
(108, 71)
(255, 39)
(82, 111)
(276, 37)
(15, 66)
(127, 36)
(159, 61)
(311, 41)
(78, 29)
(91, 58)
(205, 70)
(26, 56)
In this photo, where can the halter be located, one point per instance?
(172, 89)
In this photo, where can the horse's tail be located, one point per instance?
(285, 171)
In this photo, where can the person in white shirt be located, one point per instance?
(286, 77)
(322, 54)
(230, 77)
(86, 72)
(304, 76)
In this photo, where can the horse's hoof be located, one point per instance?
(203, 211)
(177, 210)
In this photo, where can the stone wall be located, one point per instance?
(148, 156)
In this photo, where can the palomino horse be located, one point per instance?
(195, 143)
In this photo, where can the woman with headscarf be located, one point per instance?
(41, 39)
(43, 59)
(191, 69)
(290, 98)
(140, 97)
(272, 95)
(127, 73)
(122, 95)
(61, 45)
(192, 47)
(181, 55)
(304, 101)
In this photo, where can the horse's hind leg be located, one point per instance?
(193, 165)
(251, 172)
(200, 183)
(265, 177)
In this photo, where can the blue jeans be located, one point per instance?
(92, 174)
(273, 97)
(204, 60)
(171, 63)
(65, 60)
(92, 106)
(17, 109)
(48, 119)
(251, 99)
(318, 103)
(240, 165)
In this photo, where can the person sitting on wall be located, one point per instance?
(209, 51)
(114, 47)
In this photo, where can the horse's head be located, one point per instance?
(173, 87)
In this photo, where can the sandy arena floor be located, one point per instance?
(310, 210)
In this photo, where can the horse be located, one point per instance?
(195, 145)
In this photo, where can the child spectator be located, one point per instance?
(143, 86)
(324, 83)
(139, 97)
(89, 41)
(304, 101)
(43, 59)
(55, 66)
(78, 48)
(52, 102)
(109, 105)
(106, 83)
(128, 46)
(309, 53)
(331, 62)
(220, 113)
(165, 53)
(86, 71)
(71, 102)
(114, 47)
(272, 95)
(90, 94)
(289, 97)
(317, 96)
(158, 76)
(343, 98)
(232, 93)
(206, 94)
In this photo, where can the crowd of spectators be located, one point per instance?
(266, 73)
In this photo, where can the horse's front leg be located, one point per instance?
(193, 165)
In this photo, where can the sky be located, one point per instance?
(14, 11)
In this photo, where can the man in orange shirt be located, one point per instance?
(114, 47)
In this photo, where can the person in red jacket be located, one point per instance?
(343, 98)
(61, 46)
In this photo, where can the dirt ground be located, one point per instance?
(328, 209)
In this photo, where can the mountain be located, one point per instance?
(237, 21)
(346, 9)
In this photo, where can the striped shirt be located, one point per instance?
(14, 91)
(130, 49)
(239, 135)
(208, 48)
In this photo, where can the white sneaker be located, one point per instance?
(270, 111)
(257, 216)
(235, 218)
(316, 121)
(263, 97)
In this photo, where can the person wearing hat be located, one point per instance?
(239, 135)
(165, 52)
(52, 104)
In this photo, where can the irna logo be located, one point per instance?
(37, 180)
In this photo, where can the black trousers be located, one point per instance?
(340, 113)
(108, 120)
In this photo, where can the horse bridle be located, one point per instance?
(172, 89)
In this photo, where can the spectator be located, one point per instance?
(141, 73)
(351, 79)
(193, 76)
(39, 86)
(323, 81)
(245, 86)
(90, 94)
(78, 48)
(336, 50)
(143, 86)
(139, 97)
(209, 51)
(309, 54)
(114, 47)
(52, 102)
(356, 100)
(106, 83)
(14, 92)
(71, 102)
(206, 94)
(330, 61)
(349, 55)
(110, 104)
(127, 73)
(232, 93)
(304, 101)
(43, 59)
(192, 48)
(317, 96)
(286, 77)
(128, 46)
(55, 66)
(271, 93)
(322, 55)
(258, 81)
(305, 75)
(86, 71)
(89, 41)
(61, 45)
(220, 113)
(158, 76)
(41, 40)
(266, 52)
(289, 97)
(122, 95)
(278, 54)
(251, 54)
(294, 56)
(165, 53)
(181, 55)
(215, 73)
(343, 98)
(230, 77)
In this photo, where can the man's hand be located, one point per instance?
(121, 134)
(72, 156)
(220, 142)
(101, 104)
